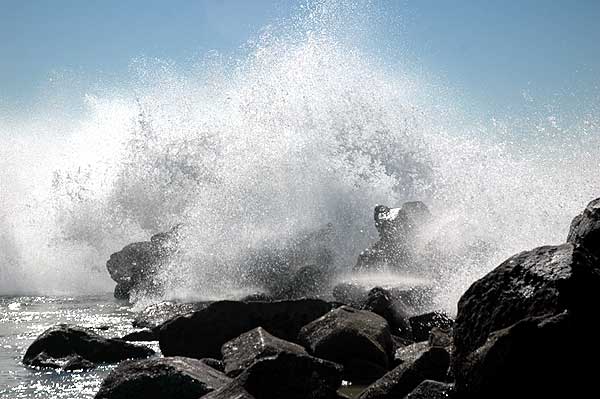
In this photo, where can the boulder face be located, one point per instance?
(357, 339)
(521, 317)
(422, 325)
(170, 377)
(202, 333)
(381, 302)
(397, 228)
(585, 228)
(63, 345)
(241, 352)
(134, 267)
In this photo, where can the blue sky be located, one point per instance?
(496, 53)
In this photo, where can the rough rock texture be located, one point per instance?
(134, 267)
(357, 339)
(410, 353)
(430, 365)
(169, 377)
(422, 325)
(241, 352)
(411, 297)
(63, 344)
(202, 333)
(397, 229)
(585, 228)
(285, 375)
(143, 335)
(381, 302)
(156, 314)
(523, 317)
(430, 389)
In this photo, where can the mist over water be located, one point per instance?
(305, 129)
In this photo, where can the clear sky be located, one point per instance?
(494, 52)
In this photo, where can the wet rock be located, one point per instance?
(169, 377)
(241, 352)
(380, 301)
(134, 267)
(156, 314)
(61, 344)
(77, 363)
(441, 337)
(397, 228)
(410, 353)
(202, 333)
(430, 389)
(258, 297)
(230, 391)
(430, 365)
(143, 335)
(422, 325)
(214, 363)
(585, 228)
(286, 375)
(521, 317)
(357, 339)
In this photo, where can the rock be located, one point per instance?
(202, 333)
(214, 363)
(410, 353)
(258, 297)
(61, 344)
(134, 267)
(169, 377)
(585, 228)
(441, 337)
(524, 315)
(78, 363)
(380, 301)
(285, 375)
(357, 339)
(430, 389)
(397, 228)
(422, 325)
(241, 352)
(143, 335)
(430, 365)
(229, 391)
(156, 314)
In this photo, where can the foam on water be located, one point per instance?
(303, 130)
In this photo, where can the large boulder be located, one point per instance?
(285, 375)
(159, 378)
(241, 352)
(380, 301)
(585, 228)
(431, 364)
(135, 266)
(523, 317)
(357, 339)
(202, 333)
(422, 325)
(397, 228)
(153, 316)
(69, 346)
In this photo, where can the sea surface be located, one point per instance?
(23, 318)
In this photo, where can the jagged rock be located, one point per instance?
(585, 228)
(156, 314)
(430, 389)
(410, 353)
(285, 375)
(134, 267)
(202, 333)
(169, 377)
(214, 363)
(357, 339)
(397, 229)
(143, 335)
(241, 352)
(62, 344)
(429, 365)
(422, 325)
(380, 301)
(524, 316)
(441, 337)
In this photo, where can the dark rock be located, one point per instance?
(241, 352)
(430, 389)
(357, 339)
(585, 228)
(524, 316)
(229, 391)
(380, 301)
(421, 325)
(257, 297)
(202, 333)
(156, 314)
(78, 363)
(441, 337)
(410, 353)
(144, 335)
(169, 377)
(286, 375)
(430, 365)
(62, 343)
(214, 363)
